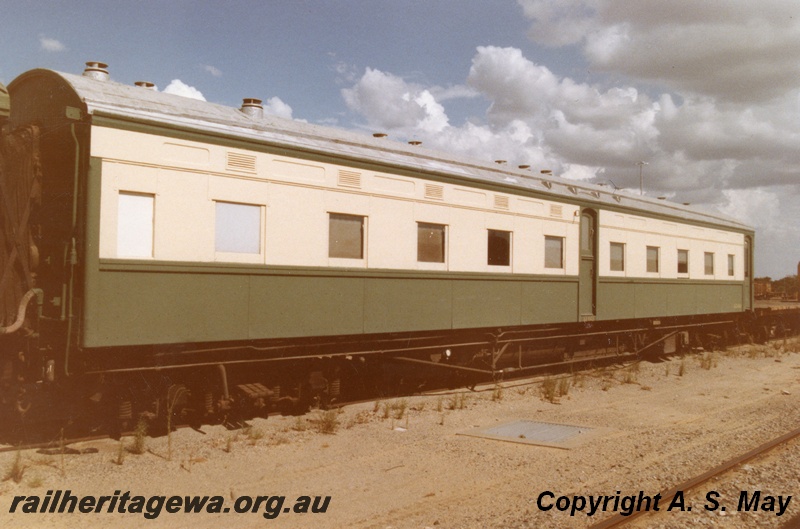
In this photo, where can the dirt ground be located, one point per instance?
(402, 463)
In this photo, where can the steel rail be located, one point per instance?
(618, 519)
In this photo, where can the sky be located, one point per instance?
(705, 93)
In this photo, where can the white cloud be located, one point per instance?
(180, 88)
(216, 72)
(48, 44)
(759, 207)
(746, 51)
(390, 103)
(709, 138)
(276, 107)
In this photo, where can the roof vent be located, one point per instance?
(415, 142)
(251, 107)
(147, 85)
(379, 135)
(525, 167)
(96, 70)
(500, 162)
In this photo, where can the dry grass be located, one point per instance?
(16, 471)
(139, 444)
(549, 389)
(325, 422)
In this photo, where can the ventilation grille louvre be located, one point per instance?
(349, 179)
(500, 202)
(241, 162)
(556, 211)
(434, 192)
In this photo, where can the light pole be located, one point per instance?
(641, 179)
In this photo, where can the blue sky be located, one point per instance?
(705, 92)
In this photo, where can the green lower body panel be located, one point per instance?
(138, 304)
(141, 304)
(655, 299)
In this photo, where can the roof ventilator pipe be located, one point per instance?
(147, 85)
(379, 135)
(251, 107)
(96, 70)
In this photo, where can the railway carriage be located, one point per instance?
(177, 249)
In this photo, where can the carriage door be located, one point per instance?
(747, 294)
(587, 288)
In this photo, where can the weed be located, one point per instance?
(120, 453)
(419, 406)
(279, 440)
(63, 445)
(666, 370)
(646, 388)
(439, 404)
(387, 409)
(682, 367)
(497, 393)
(229, 442)
(35, 482)
(376, 407)
(457, 401)
(399, 407)
(630, 375)
(253, 434)
(441, 419)
(362, 417)
(550, 389)
(563, 386)
(139, 444)
(607, 384)
(326, 422)
(17, 470)
(708, 360)
(299, 425)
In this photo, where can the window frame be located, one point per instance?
(127, 230)
(547, 252)
(657, 261)
(421, 225)
(731, 265)
(708, 269)
(363, 238)
(229, 252)
(686, 264)
(612, 261)
(506, 262)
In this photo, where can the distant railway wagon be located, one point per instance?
(160, 252)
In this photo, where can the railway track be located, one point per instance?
(619, 520)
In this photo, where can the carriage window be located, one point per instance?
(553, 252)
(499, 248)
(430, 243)
(237, 228)
(135, 214)
(346, 236)
(652, 259)
(709, 263)
(683, 261)
(617, 257)
(731, 262)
